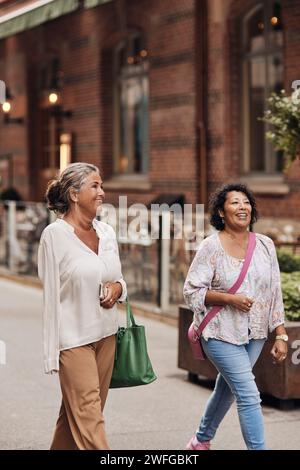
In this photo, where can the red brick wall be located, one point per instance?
(13, 137)
(84, 39)
(225, 131)
(172, 98)
(292, 65)
(169, 33)
(76, 40)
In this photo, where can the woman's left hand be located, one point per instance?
(279, 351)
(113, 291)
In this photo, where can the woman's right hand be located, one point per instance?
(113, 290)
(240, 302)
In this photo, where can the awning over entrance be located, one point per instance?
(94, 3)
(34, 14)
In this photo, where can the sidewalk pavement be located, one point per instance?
(162, 415)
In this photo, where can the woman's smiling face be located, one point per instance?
(91, 194)
(237, 210)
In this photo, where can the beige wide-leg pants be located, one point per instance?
(84, 374)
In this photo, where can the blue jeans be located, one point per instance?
(235, 381)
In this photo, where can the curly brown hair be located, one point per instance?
(218, 199)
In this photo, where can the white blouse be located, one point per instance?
(71, 274)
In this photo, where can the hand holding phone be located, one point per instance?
(102, 291)
(109, 293)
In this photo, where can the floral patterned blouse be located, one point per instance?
(212, 268)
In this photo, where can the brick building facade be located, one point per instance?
(162, 95)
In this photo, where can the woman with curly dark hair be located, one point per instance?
(233, 339)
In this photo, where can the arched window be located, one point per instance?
(131, 106)
(262, 73)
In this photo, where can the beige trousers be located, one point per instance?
(84, 374)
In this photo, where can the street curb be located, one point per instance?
(31, 281)
(24, 280)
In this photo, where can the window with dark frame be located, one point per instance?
(51, 127)
(131, 96)
(262, 74)
(50, 115)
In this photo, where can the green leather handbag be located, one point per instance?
(132, 365)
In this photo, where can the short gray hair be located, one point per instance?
(72, 178)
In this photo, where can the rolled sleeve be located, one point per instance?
(121, 280)
(123, 296)
(198, 280)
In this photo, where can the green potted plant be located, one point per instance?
(290, 283)
(283, 114)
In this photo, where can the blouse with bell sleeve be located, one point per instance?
(213, 268)
(71, 274)
(276, 317)
(199, 278)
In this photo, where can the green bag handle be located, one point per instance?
(130, 318)
(130, 322)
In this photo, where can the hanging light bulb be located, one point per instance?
(53, 97)
(6, 106)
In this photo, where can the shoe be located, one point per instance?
(194, 444)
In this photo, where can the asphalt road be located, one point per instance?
(162, 415)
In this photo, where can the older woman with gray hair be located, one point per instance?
(77, 255)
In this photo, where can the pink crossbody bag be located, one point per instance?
(195, 334)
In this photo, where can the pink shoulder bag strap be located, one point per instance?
(213, 312)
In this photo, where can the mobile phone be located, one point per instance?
(101, 291)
